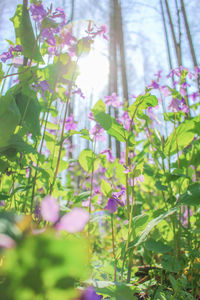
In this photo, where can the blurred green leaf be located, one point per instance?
(24, 33)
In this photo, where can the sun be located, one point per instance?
(94, 70)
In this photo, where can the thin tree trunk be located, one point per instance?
(176, 45)
(166, 35)
(115, 67)
(122, 52)
(192, 51)
(71, 108)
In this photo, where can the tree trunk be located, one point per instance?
(166, 36)
(122, 52)
(176, 44)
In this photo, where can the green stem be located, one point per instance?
(113, 247)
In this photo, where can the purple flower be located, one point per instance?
(79, 92)
(154, 84)
(90, 294)
(74, 221)
(91, 116)
(59, 13)
(112, 205)
(52, 51)
(165, 91)
(48, 36)
(7, 55)
(194, 96)
(174, 105)
(70, 124)
(98, 133)
(113, 202)
(44, 86)
(112, 100)
(109, 155)
(38, 12)
(67, 38)
(126, 120)
(184, 107)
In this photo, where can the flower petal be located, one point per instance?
(74, 221)
(50, 209)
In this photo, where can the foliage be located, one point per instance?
(97, 226)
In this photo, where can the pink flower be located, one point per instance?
(70, 124)
(6, 241)
(112, 100)
(50, 209)
(74, 221)
(174, 105)
(98, 133)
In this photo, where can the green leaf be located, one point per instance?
(83, 47)
(99, 107)
(82, 196)
(192, 196)
(1, 73)
(4, 197)
(157, 246)
(142, 102)
(24, 33)
(9, 118)
(16, 144)
(160, 186)
(61, 264)
(184, 134)
(106, 188)
(88, 160)
(29, 108)
(152, 224)
(116, 290)
(171, 264)
(105, 120)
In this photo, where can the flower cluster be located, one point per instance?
(9, 54)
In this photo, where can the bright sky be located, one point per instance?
(94, 70)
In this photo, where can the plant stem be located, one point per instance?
(113, 246)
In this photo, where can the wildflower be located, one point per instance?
(97, 133)
(6, 241)
(44, 86)
(102, 31)
(50, 209)
(70, 124)
(113, 202)
(9, 54)
(90, 294)
(72, 222)
(38, 12)
(79, 92)
(126, 120)
(154, 84)
(48, 35)
(174, 105)
(112, 100)
(109, 155)
(194, 96)
(165, 90)
(67, 38)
